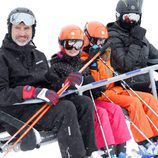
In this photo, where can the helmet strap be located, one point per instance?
(88, 35)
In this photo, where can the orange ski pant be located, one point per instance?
(137, 112)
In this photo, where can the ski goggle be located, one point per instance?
(131, 18)
(94, 40)
(27, 19)
(97, 41)
(70, 44)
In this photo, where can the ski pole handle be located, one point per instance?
(102, 50)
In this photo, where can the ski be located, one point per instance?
(11, 123)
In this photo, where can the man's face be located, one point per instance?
(21, 34)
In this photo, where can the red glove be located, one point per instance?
(74, 78)
(47, 95)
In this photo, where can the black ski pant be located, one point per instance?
(85, 111)
(73, 124)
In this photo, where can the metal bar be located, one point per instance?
(153, 85)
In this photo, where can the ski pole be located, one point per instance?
(100, 125)
(131, 95)
(152, 122)
(27, 130)
(33, 117)
(130, 89)
(132, 123)
(140, 131)
(124, 85)
(47, 106)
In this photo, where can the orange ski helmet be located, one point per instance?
(71, 36)
(71, 32)
(95, 30)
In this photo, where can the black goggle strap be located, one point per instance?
(88, 35)
(92, 40)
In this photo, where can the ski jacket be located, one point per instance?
(19, 66)
(62, 65)
(103, 72)
(127, 56)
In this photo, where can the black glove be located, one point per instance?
(97, 91)
(93, 51)
(88, 79)
(102, 88)
(137, 34)
(74, 79)
(94, 66)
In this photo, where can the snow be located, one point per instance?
(45, 151)
(52, 149)
(131, 144)
(49, 150)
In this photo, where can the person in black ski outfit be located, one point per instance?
(67, 61)
(131, 50)
(23, 72)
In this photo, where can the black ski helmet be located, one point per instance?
(21, 10)
(128, 6)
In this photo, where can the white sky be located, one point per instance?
(52, 15)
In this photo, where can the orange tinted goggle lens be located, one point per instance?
(131, 17)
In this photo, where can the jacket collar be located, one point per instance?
(10, 45)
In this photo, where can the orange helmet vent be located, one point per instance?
(71, 32)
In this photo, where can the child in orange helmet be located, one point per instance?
(138, 112)
(65, 62)
(71, 40)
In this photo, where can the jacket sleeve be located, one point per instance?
(122, 56)
(153, 55)
(8, 96)
(54, 79)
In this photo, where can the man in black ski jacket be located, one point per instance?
(131, 50)
(23, 72)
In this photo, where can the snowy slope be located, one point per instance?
(46, 151)
(52, 151)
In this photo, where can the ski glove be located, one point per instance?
(97, 91)
(74, 79)
(93, 51)
(94, 66)
(49, 96)
(138, 32)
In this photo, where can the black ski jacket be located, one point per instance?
(19, 66)
(62, 65)
(127, 56)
